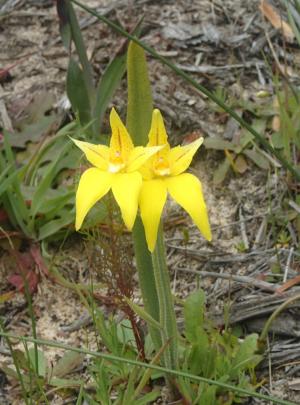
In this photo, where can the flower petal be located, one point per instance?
(126, 188)
(180, 157)
(93, 185)
(186, 189)
(120, 141)
(96, 154)
(158, 135)
(152, 200)
(140, 155)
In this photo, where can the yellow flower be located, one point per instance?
(115, 168)
(163, 174)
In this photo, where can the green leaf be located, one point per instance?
(246, 356)
(67, 363)
(208, 395)
(33, 132)
(64, 23)
(218, 143)
(65, 383)
(194, 308)
(103, 384)
(44, 185)
(52, 206)
(143, 314)
(13, 200)
(140, 104)
(68, 16)
(277, 140)
(96, 215)
(21, 359)
(221, 171)
(258, 158)
(52, 227)
(42, 362)
(125, 333)
(9, 371)
(200, 359)
(148, 398)
(78, 93)
(107, 86)
(5, 182)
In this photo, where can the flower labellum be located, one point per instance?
(164, 173)
(114, 168)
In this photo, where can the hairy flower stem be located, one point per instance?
(167, 316)
(146, 279)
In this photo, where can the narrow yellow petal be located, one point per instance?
(120, 143)
(152, 200)
(186, 189)
(93, 185)
(180, 157)
(96, 154)
(126, 188)
(140, 155)
(158, 135)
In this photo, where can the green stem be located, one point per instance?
(146, 279)
(198, 86)
(167, 316)
(33, 321)
(139, 110)
(16, 363)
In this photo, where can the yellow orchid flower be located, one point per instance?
(115, 168)
(163, 174)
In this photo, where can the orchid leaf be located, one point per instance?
(78, 93)
(52, 227)
(140, 104)
(107, 86)
(38, 197)
(64, 23)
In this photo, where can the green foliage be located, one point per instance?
(140, 103)
(88, 100)
(117, 380)
(31, 208)
(288, 136)
(37, 381)
(37, 194)
(215, 354)
(78, 93)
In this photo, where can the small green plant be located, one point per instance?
(218, 354)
